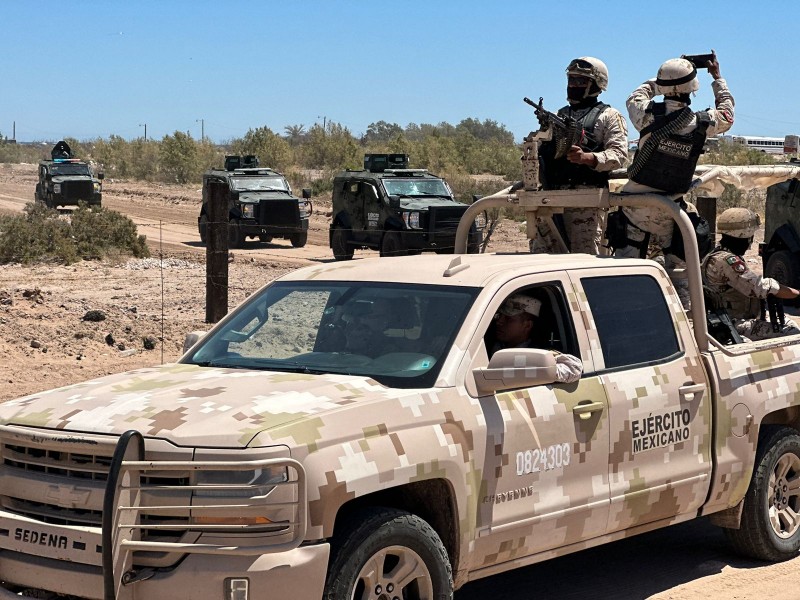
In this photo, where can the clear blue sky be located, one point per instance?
(88, 69)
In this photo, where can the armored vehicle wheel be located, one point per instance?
(770, 527)
(392, 244)
(202, 226)
(784, 266)
(265, 239)
(235, 235)
(299, 239)
(341, 249)
(388, 553)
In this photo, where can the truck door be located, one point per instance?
(659, 401)
(545, 483)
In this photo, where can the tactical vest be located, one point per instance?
(559, 173)
(666, 161)
(737, 304)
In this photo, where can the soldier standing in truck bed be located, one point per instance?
(605, 148)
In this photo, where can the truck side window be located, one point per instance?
(633, 320)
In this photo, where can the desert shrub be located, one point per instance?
(40, 234)
(733, 197)
(100, 232)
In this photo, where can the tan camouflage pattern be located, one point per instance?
(528, 477)
(741, 291)
(584, 226)
(721, 116)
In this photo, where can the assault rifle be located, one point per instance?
(567, 132)
(777, 317)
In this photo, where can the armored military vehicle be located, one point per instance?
(260, 203)
(65, 180)
(780, 250)
(394, 209)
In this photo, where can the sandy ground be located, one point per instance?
(46, 342)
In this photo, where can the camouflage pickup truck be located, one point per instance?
(348, 432)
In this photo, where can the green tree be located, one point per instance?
(270, 148)
(178, 155)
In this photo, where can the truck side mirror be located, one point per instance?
(476, 197)
(191, 339)
(306, 193)
(394, 202)
(101, 176)
(515, 368)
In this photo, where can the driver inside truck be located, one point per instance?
(514, 325)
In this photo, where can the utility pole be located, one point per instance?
(145, 130)
(202, 129)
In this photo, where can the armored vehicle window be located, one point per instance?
(241, 184)
(69, 169)
(396, 334)
(415, 187)
(632, 319)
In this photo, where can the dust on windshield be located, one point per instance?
(416, 187)
(255, 184)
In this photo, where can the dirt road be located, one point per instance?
(45, 342)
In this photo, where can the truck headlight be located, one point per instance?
(411, 219)
(96, 185)
(56, 188)
(480, 220)
(238, 484)
(248, 210)
(303, 210)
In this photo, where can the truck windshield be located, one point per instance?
(397, 334)
(253, 184)
(70, 169)
(416, 187)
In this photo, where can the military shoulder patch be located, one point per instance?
(737, 263)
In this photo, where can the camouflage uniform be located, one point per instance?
(741, 291)
(584, 226)
(652, 220)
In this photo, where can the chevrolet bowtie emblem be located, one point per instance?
(66, 496)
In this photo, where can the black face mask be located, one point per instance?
(736, 245)
(576, 94)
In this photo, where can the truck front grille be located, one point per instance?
(62, 483)
(446, 218)
(77, 190)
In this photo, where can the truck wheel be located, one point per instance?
(392, 245)
(235, 236)
(299, 239)
(388, 553)
(784, 266)
(202, 227)
(770, 526)
(341, 249)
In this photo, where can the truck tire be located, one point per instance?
(299, 239)
(235, 236)
(202, 227)
(784, 266)
(342, 250)
(392, 244)
(409, 557)
(769, 529)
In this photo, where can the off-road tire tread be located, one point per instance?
(753, 538)
(356, 529)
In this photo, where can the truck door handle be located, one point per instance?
(585, 409)
(693, 389)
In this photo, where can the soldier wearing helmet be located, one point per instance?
(604, 148)
(740, 290)
(671, 134)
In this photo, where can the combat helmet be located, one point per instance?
(738, 222)
(677, 76)
(591, 67)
